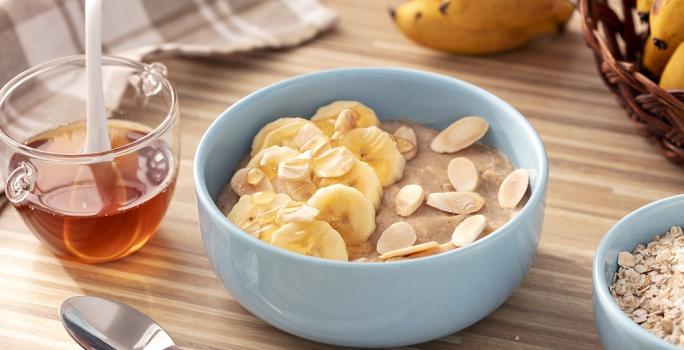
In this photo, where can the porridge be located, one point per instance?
(344, 186)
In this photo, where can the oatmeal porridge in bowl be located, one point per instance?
(344, 186)
(371, 207)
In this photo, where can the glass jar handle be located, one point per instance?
(20, 183)
(149, 83)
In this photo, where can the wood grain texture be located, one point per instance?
(601, 169)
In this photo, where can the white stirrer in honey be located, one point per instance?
(97, 133)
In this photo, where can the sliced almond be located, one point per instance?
(407, 142)
(456, 202)
(408, 200)
(444, 247)
(396, 258)
(399, 235)
(254, 176)
(295, 214)
(263, 198)
(250, 226)
(296, 168)
(513, 188)
(459, 135)
(240, 185)
(409, 250)
(468, 230)
(317, 145)
(274, 155)
(305, 134)
(345, 121)
(298, 190)
(403, 145)
(463, 174)
(334, 162)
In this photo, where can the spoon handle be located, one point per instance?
(97, 134)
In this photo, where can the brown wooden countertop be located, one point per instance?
(601, 169)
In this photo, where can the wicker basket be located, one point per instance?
(617, 46)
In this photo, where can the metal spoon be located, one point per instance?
(101, 324)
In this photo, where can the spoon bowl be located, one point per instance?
(102, 324)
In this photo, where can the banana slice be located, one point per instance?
(361, 177)
(345, 121)
(299, 190)
(297, 213)
(326, 116)
(296, 168)
(286, 170)
(347, 210)
(375, 147)
(316, 145)
(260, 138)
(268, 160)
(256, 213)
(306, 133)
(334, 162)
(293, 133)
(250, 180)
(312, 238)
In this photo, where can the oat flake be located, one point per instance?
(649, 285)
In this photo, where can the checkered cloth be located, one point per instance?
(34, 31)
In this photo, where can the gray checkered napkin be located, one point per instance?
(34, 31)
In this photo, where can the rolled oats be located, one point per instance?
(626, 259)
(649, 285)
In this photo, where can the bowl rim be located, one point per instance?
(600, 287)
(537, 196)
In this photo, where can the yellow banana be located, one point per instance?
(347, 210)
(479, 27)
(326, 115)
(673, 75)
(643, 8)
(362, 177)
(667, 32)
(312, 238)
(492, 14)
(256, 213)
(375, 147)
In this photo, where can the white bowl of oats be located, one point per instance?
(638, 279)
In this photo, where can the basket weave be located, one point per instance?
(657, 113)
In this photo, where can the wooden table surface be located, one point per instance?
(601, 169)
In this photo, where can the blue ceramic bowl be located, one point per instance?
(370, 304)
(615, 329)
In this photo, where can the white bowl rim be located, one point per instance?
(600, 287)
(537, 197)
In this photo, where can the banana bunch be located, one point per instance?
(643, 8)
(663, 52)
(482, 26)
(312, 186)
(673, 74)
